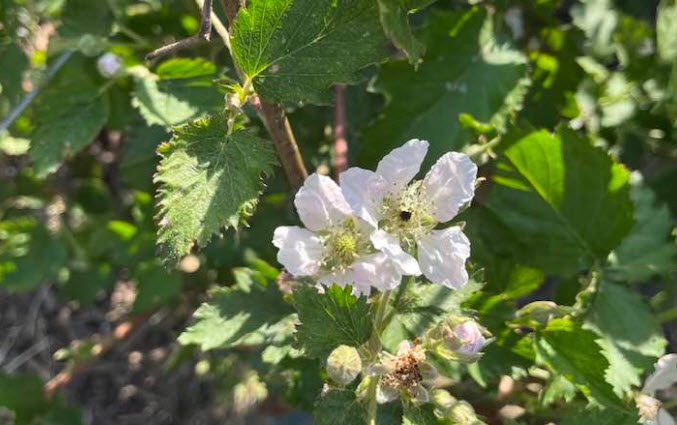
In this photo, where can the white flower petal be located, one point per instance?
(389, 245)
(364, 191)
(403, 347)
(377, 271)
(386, 394)
(450, 184)
(300, 251)
(402, 164)
(664, 376)
(341, 278)
(664, 418)
(442, 255)
(320, 203)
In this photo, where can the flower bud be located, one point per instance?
(458, 338)
(344, 364)
(462, 413)
(109, 65)
(443, 401)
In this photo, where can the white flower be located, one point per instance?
(109, 65)
(650, 409)
(334, 247)
(407, 213)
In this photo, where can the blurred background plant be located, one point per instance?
(569, 108)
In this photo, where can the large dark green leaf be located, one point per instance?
(555, 202)
(464, 70)
(293, 50)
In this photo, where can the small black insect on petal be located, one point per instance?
(405, 215)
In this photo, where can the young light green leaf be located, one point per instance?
(181, 90)
(648, 249)
(234, 316)
(293, 50)
(62, 132)
(330, 319)
(464, 70)
(630, 335)
(393, 15)
(207, 181)
(557, 203)
(558, 388)
(567, 349)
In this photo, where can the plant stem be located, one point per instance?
(340, 142)
(375, 345)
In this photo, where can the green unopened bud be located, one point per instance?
(539, 313)
(443, 402)
(462, 413)
(344, 364)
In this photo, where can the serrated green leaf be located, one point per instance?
(600, 417)
(233, 316)
(331, 319)
(293, 50)
(666, 30)
(420, 307)
(29, 255)
(395, 23)
(181, 90)
(630, 334)
(339, 407)
(208, 181)
(648, 249)
(558, 388)
(567, 349)
(63, 131)
(556, 203)
(464, 70)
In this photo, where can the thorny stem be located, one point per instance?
(204, 34)
(375, 345)
(273, 117)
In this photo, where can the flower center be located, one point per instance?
(408, 215)
(346, 242)
(407, 374)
